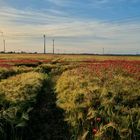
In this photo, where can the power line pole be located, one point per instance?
(44, 44)
(4, 45)
(53, 46)
(3, 41)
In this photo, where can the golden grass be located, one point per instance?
(66, 57)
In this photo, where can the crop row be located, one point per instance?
(18, 95)
(100, 102)
(100, 99)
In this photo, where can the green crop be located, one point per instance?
(18, 95)
(100, 107)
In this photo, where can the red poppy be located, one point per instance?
(94, 131)
(98, 119)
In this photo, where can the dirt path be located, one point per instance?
(46, 119)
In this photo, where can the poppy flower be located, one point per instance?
(98, 119)
(94, 131)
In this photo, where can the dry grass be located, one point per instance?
(66, 57)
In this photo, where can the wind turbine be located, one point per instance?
(3, 41)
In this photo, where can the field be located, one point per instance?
(69, 97)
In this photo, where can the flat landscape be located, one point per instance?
(69, 97)
(69, 69)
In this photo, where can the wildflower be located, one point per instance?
(94, 131)
(98, 119)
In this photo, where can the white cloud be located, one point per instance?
(23, 30)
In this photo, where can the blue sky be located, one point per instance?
(84, 26)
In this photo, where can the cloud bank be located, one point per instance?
(24, 28)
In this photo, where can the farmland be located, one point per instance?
(69, 97)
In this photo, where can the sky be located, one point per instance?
(77, 26)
